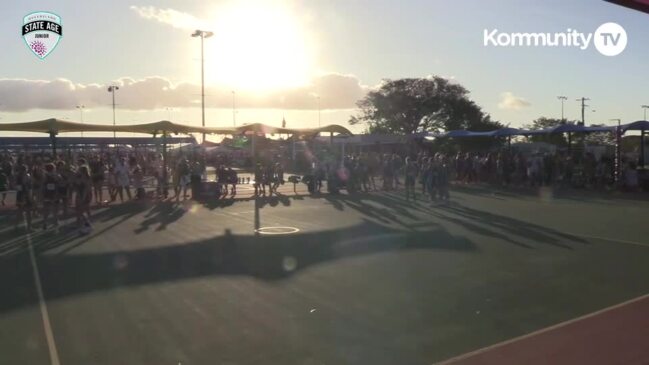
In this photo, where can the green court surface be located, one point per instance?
(368, 279)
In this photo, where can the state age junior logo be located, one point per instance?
(42, 32)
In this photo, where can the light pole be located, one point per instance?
(563, 99)
(112, 89)
(645, 107)
(81, 107)
(234, 110)
(583, 109)
(202, 34)
(169, 110)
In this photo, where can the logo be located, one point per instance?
(610, 39)
(42, 32)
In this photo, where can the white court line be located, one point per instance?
(543, 330)
(49, 336)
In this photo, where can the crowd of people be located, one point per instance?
(52, 186)
(561, 169)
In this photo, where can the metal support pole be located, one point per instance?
(164, 191)
(642, 148)
(114, 133)
(202, 88)
(618, 152)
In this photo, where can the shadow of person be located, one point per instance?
(163, 214)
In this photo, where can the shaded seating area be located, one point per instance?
(161, 131)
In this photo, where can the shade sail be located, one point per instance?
(506, 132)
(266, 129)
(635, 126)
(61, 126)
(564, 128)
(167, 127)
(56, 126)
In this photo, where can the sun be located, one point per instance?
(258, 46)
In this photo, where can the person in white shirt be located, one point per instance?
(123, 181)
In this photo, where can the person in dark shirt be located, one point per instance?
(83, 196)
(24, 202)
(4, 186)
(411, 170)
(259, 173)
(50, 194)
(97, 169)
(64, 186)
(232, 178)
(278, 176)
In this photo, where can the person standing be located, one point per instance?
(98, 168)
(37, 184)
(233, 179)
(112, 184)
(196, 178)
(395, 167)
(138, 182)
(410, 170)
(183, 178)
(6, 170)
(50, 195)
(259, 173)
(443, 179)
(64, 186)
(122, 173)
(83, 196)
(424, 170)
(4, 186)
(388, 174)
(269, 172)
(278, 177)
(24, 201)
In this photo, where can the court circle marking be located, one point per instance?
(277, 230)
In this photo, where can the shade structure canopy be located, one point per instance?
(563, 128)
(55, 126)
(259, 128)
(639, 125)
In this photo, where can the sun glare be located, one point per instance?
(259, 46)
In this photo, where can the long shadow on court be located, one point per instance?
(268, 257)
(14, 243)
(161, 215)
(506, 228)
(591, 196)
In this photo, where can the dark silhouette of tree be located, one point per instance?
(413, 105)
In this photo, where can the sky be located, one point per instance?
(274, 59)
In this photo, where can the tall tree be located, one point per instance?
(407, 106)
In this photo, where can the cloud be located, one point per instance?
(336, 91)
(509, 101)
(175, 18)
